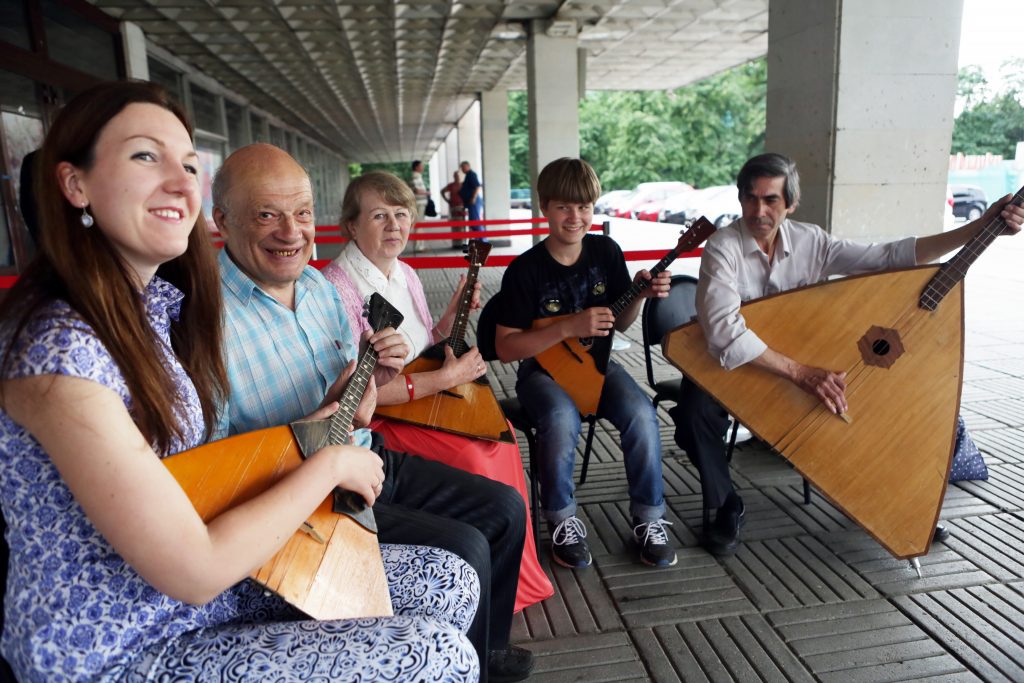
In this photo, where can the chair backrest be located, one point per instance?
(661, 315)
(485, 328)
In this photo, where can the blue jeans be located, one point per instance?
(558, 422)
(474, 209)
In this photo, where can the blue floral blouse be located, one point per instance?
(74, 610)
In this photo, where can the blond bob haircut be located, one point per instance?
(393, 189)
(568, 180)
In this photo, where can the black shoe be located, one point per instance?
(655, 549)
(510, 663)
(941, 534)
(569, 544)
(723, 538)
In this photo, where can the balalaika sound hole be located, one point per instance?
(880, 346)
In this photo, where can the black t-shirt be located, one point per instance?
(537, 286)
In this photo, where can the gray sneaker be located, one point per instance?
(569, 544)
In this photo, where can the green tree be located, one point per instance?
(518, 139)
(990, 123)
(400, 168)
(701, 133)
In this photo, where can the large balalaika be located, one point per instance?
(899, 337)
(469, 409)
(331, 568)
(579, 364)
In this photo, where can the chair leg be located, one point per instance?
(732, 440)
(586, 450)
(807, 492)
(531, 442)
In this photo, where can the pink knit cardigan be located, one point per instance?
(354, 302)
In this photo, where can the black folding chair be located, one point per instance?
(659, 317)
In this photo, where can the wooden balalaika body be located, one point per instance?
(469, 409)
(579, 364)
(899, 337)
(332, 567)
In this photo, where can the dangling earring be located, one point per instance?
(87, 219)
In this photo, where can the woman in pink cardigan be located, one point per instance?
(378, 211)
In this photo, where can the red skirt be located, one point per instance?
(497, 461)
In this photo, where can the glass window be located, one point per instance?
(206, 110)
(258, 128)
(167, 77)
(277, 137)
(21, 124)
(238, 136)
(211, 156)
(14, 24)
(78, 43)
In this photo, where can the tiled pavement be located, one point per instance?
(809, 596)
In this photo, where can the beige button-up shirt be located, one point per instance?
(733, 269)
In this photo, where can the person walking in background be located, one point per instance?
(456, 209)
(419, 189)
(470, 194)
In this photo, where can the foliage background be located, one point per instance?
(700, 134)
(991, 122)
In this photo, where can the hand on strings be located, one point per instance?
(592, 322)
(463, 369)
(392, 350)
(827, 386)
(334, 392)
(657, 287)
(1012, 214)
(359, 470)
(364, 411)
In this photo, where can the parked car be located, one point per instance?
(968, 202)
(520, 198)
(720, 204)
(606, 201)
(653, 210)
(947, 215)
(648, 192)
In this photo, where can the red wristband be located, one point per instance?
(409, 386)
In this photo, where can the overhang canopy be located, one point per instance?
(380, 80)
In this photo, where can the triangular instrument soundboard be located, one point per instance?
(899, 336)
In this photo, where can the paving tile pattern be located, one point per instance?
(809, 596)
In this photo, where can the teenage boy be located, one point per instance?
(578, 276)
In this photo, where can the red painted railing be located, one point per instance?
(455, 261)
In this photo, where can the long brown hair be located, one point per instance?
(82, 267)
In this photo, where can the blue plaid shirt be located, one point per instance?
(280, 362)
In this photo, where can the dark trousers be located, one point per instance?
(482, 521)
(701, 425)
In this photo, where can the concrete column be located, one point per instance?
(469, 138)
(552, 85)
(860, 95)
(494, 128)
(451, 144)
(133, 41)
(436, 182)
(444, 174)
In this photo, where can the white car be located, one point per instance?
(606, 202)
(720, 204)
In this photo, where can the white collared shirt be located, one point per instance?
(733, 269)
(368, 278)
